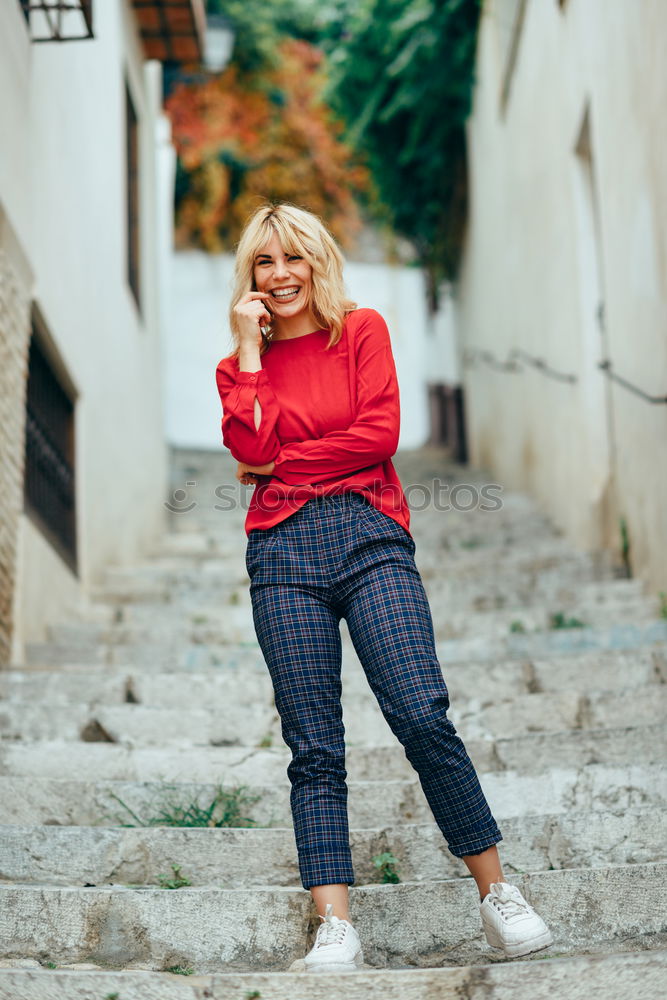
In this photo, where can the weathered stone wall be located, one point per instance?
(14, 343)
(64, 184)
(566, 262)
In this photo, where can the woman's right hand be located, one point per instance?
(250, 475)
(251, 313)
(247, 478)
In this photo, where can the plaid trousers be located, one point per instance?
(339, 557)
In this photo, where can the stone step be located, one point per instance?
(217, 570)
(166, 656)
(513, 543)
(247, 656)
(212, 534)
(537, 557)
(474, 528)
(418, 924)
(198, 594)
(450, 624)
(94, 802)
(161, 591)
(447, 519)
(558, 642)
(223, 621)
(243, 858)
(233, 624)
(532, 754)
(555, 712)
(250, 721)
(228, 623)
(502, 591)
(610, 671)
(614, 977)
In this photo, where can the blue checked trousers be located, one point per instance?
(339, 557)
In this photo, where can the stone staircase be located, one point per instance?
(154, 694)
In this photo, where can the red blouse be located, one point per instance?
(319, 439)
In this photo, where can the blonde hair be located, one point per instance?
(303, 233)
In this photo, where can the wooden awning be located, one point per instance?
(171, 30)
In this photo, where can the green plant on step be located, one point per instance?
(559, 620)
(50, 965)
(266, 741)
(253, 995)
(180, 970)
(175, 881)
(228, 808)
(663, 603)
(112, 996)
(625, 545)
(386, 865)
(517, 626)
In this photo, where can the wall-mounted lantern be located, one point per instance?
(218, 43)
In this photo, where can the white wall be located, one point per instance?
(198, 337)
(62, 185)
(554, 231)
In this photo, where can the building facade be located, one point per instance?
(84, 194)
(562, 305)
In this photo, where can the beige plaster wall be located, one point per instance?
(569, 213)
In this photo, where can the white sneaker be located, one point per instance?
(337, 946)
(510, 923)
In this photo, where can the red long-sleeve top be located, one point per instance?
(330, 420)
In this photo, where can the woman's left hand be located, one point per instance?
(248, 474)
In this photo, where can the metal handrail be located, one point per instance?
(470, 356)
(517, 356)
(606, 367)
(542, 366)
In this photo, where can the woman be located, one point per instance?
(311, 413)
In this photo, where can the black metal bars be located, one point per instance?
(59, 20)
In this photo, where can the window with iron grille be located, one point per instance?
(49, 484)
(59, 20)
(132, 182)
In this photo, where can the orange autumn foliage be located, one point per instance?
(242, 141)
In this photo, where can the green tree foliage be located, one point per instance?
(260, 130)
(241, 141)
(401, 76)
